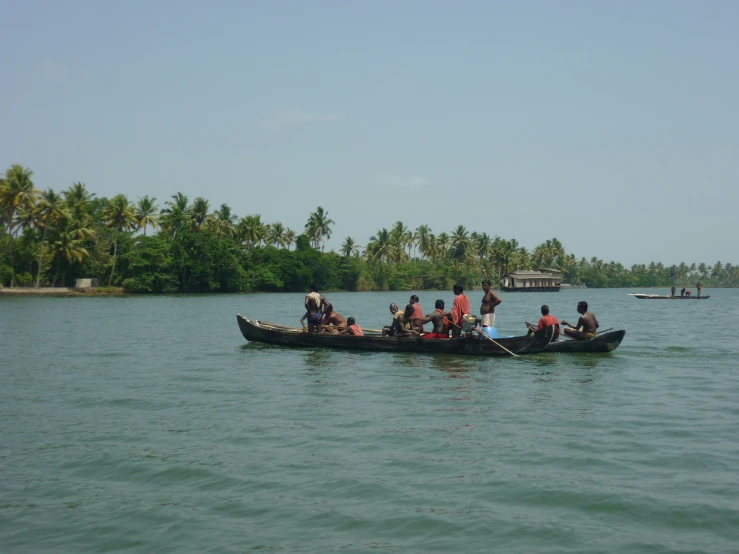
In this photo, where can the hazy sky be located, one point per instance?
(613, 126)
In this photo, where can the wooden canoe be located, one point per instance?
(257, 331)
(668, 297)
(607, 342)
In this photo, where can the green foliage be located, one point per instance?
(49, 238)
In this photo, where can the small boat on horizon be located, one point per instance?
(641, 296)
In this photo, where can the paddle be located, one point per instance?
(599, 332)
(486, 336)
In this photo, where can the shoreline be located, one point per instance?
(61, 291)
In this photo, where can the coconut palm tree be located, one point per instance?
(146, 213)
(461, 245)
(67, 246)
(424, 240)
(379, 246)
(16, 193)
(225, 221)
(199, 212)
(176, 215)
(276, 235)
(290, 238)
(318, 226)
(51, 209)
(349, 247)
(119, 216)
(251, 231)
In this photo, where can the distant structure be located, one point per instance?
(542, 280)
(86, 283)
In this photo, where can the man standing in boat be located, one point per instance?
(699, 286)
(314, 304)
(460, 308)
(674, 288)
(586, 325)
(489, 301)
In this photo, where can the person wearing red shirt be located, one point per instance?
(460, 308)
(546, 320)
(352, 328)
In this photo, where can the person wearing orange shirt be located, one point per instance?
(417, 318)
(545, 321)
(460, 308)
(352, 328)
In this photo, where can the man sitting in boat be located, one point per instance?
(460, 308)
(417, 318)
(352, 328)
(437, 318)
(314, 304)
(586, 325)
(401, 325)
(545, 321)
(332, 321)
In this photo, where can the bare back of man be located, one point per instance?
(333, 322)
(437, 319)
(586, 327)
(314, 304)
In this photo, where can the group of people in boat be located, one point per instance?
(321, 317)
(688, 292)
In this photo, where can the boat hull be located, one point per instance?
(607, 342)
(255, 331)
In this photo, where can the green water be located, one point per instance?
(149, 425)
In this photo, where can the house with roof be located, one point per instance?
(542, 280)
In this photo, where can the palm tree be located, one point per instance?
(461, 245)
(176, 215)
(349, 247)
(318, 226)
(225, 220)
(16, 192)
(251, 230)
(119, 215)
(379, 246)
(290, 238)
(51, 209)
(442, 244)
(199, 212)
(276, 234)
(425, 245)
(146, 213)
(67, 246)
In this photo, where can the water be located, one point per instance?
(147, 424)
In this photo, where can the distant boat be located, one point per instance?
(668, 297)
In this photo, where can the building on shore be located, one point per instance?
(541, 280)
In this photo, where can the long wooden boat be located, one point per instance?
(259, 331)
(668, 297)
(531, 289)
(607, 342)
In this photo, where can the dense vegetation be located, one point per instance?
(51, 239)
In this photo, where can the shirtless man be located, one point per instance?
(489, 301)
(401, 326)
(586, 325)
(437, 319)
(332, 321)
(314, 304)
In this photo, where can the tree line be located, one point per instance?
(51, 238)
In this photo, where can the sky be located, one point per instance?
(612, 126)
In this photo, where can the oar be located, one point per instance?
(487, 337)
(599, 332)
